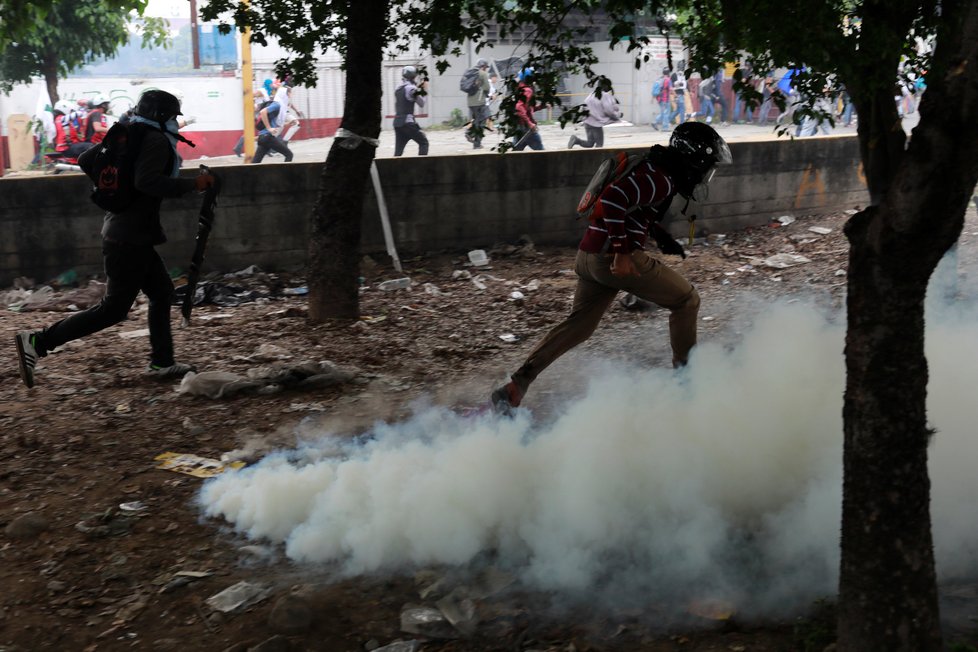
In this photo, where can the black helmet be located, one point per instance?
(158, 105)
(409, 73)
(702, 149)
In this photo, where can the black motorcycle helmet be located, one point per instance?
(158, 106)
(702, 149)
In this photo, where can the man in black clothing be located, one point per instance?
(129, 236)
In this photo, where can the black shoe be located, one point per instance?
(27, 356)
(175, 370)
(505, 399)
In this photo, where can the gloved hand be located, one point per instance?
(203, 182)
(666, 243)
(189, 120)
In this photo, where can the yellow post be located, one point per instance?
(248, 105)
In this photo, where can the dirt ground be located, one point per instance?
(81, 573)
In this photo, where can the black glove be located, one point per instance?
(666, 243)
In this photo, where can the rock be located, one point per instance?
(459, 610)
(57, 586)
(276, 643)
(401, 646)
(371, 645)
(426, 621)
(27, 526)
(291, 614)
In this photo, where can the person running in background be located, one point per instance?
(662, 91)
(679, 87)
(602, 111)
(268, 139)
(261, 96)
(406, 128)
(478, 103)
(528, 134)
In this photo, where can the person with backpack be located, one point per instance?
(602, 109)
(662, 93)
(148, 168)
(268, 133)
(612, 257)
(475, 83)
(406, 128)
(678, 79)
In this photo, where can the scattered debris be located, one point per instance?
(238, 596)
(426, 621)
(508, 337)
(27, 526)
(264, 380)
(395, 284)
(478, 258)
(198, 467)
(785, 220)
(821, 230)
(783, 261)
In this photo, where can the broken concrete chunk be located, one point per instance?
(426, 621)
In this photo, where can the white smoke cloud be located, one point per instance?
(723, 479)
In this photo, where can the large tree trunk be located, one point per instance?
(888, 589)
(334, 249)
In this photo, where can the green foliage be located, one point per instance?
(72, 34)
(457, 119)
(818, 630)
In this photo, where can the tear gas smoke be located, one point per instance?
(726, 478)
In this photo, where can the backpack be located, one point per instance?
(469, 83)
(112, 168)
(259, 125)
(610, 171)
(657, 88)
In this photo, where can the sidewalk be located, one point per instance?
(450, 142)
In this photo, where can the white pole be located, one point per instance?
(385, 220)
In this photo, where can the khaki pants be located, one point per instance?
(596, 290)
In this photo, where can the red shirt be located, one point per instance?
(627, 209)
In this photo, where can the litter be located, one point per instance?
(785, 220)
(782, 261)
(238, 596)
(395, 284)
(478, 258)
(296, 292)
(218, 315)
(426, 621)
(198, 467)
(517, 296)
(477, 282)
(264, 380)
(821, 230)
(432, 289)
(461, 274)
(131, 335)
(135, 506)
(508, 337)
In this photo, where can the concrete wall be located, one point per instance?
(48, 225)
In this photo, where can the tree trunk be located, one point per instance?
(334, 247)
(50, 70)
(888, 588)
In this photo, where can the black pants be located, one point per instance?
(410, 131)
(268, 142)
(479, 116)
(129, 268)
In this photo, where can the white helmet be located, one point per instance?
(97, 100)
(64, 106)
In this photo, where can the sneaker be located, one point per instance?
(469, 137)
(175, 370)
(572, 142)
(27, 356)
(506, 398)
